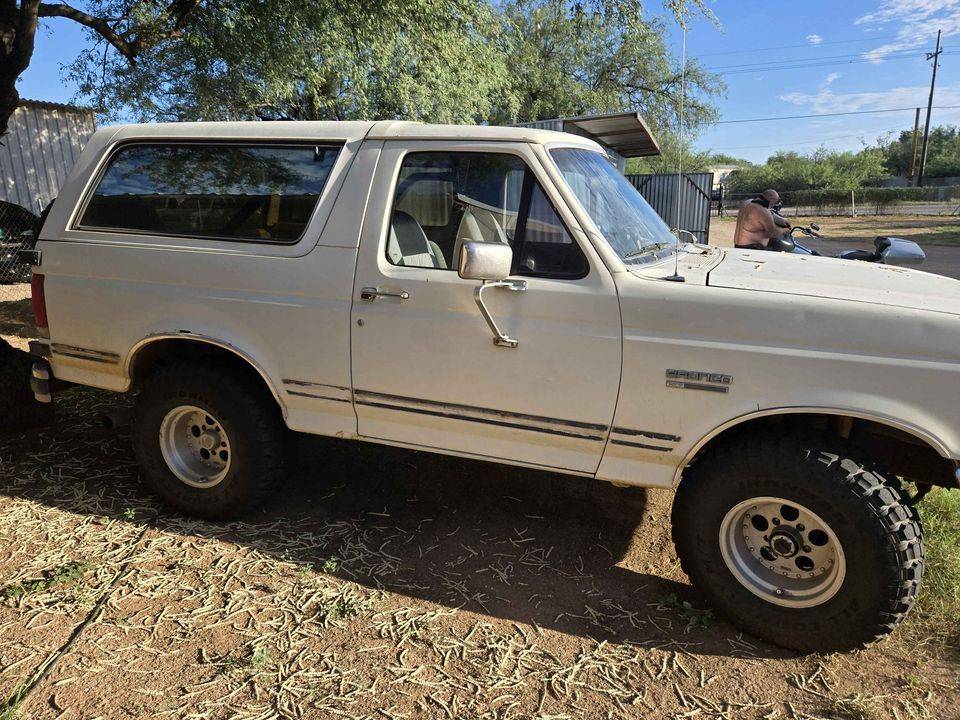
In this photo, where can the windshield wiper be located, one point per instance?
(645, 250)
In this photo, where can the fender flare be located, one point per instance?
(908, 428)
(208, 340)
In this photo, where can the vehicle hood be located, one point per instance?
(837, 279)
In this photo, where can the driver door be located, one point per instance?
(426, 371)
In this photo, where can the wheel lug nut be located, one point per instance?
(806, 548)
(800, 527)
(776, 521)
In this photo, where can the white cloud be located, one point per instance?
(917, 19)
(814, 39)
(827, 101)
(831, 78)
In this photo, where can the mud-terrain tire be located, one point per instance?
(246, 437)
(723, 507)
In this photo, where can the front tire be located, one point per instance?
(210, 441)
(798, 543)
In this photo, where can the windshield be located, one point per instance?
(628, 224)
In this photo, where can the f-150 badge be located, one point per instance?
(699, 380)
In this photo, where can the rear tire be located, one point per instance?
(210, 441)
(820, 589)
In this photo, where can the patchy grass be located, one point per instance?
(943, 235)
(51, 579)
(692, 616)
(938, 608)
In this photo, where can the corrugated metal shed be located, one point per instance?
(43, 143)
(661, 192)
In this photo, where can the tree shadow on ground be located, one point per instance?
(563, 553)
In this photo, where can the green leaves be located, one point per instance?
(453, 61)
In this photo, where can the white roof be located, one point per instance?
(340, 131)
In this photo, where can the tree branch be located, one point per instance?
(98, 25)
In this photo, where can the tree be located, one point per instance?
(322, 60)
(669, 158)
(569, 59)
(821, 169)
(128, 28)
(430, 60)
(943, 153)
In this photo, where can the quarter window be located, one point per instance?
(446, 199)
(223, 191)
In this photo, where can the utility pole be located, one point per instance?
(916, 135)
(935, 56)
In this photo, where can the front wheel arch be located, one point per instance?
(928, 458)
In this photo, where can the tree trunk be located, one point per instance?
(9, 100)
(18, 30)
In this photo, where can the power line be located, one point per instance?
(770, 67)
(780, 61)
(836, 114)
(805, 45)
(807, 142)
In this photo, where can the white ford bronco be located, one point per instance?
(505, 294)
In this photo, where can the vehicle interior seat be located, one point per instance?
(478, 225)
(408, 244)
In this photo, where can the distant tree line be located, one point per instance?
(843, 171)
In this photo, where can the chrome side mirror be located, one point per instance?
(485, 261)
(491, 263)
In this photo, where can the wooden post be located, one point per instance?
(916, 136)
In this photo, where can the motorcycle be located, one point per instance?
(887, 250)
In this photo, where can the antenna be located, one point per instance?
(676, 277)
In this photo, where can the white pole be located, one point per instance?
(853, 204)
(683, 88)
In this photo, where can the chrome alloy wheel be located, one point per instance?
(782, 552)
(195, 446)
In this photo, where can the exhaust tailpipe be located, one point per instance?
(116, 419)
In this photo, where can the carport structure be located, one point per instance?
(625, 134)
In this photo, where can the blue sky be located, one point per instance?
(885, 39)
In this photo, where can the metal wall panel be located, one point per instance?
(43, 143)
(661, 192)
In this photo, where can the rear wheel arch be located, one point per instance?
(156, 351)
(930, 454)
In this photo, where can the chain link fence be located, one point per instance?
(17, 225)
(938, 201)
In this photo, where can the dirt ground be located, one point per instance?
(385, 584)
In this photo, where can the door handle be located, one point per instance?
(371, 293)
(499, 338)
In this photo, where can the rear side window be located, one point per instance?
(259, 193)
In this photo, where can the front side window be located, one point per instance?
(444, 199)
(222, 191)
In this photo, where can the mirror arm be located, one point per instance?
(499, 338)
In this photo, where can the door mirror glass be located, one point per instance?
(814, 226)
(485, 261)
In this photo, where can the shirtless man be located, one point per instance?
(757, 224)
